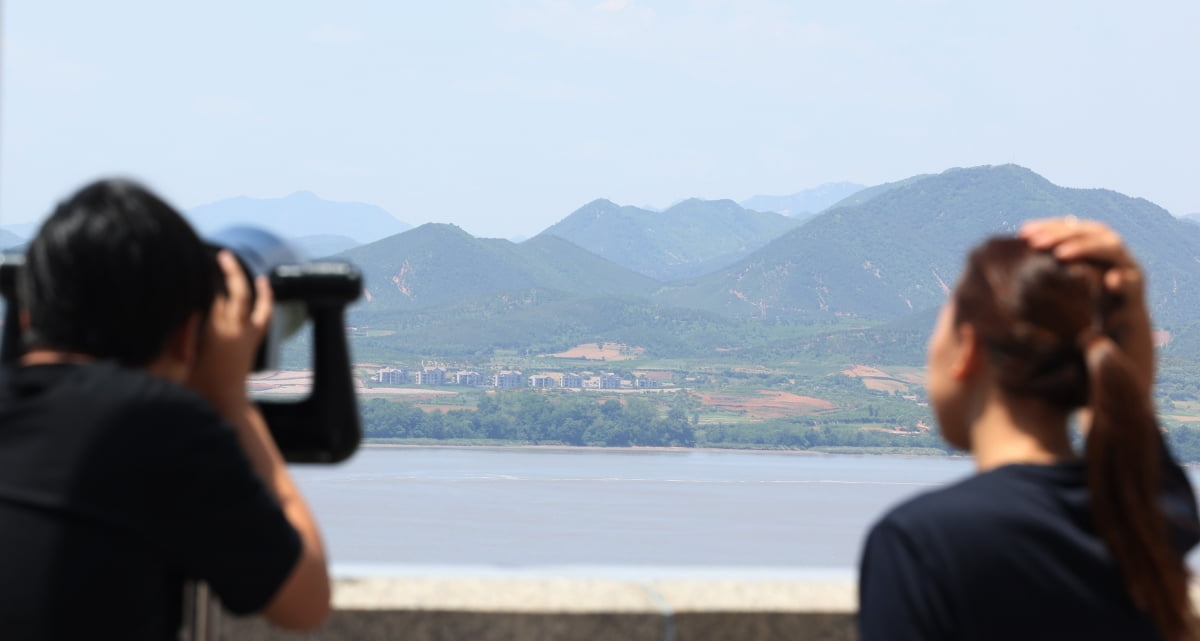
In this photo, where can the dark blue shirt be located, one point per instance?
(1008, 554)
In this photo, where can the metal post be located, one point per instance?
(201, 613)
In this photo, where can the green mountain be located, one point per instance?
(542, 322)
(863, 195)
(438, 264)
(902, 250)
(688, 239)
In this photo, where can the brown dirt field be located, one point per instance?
(606, 352)
(876, 379)
(887, 430)
(861, 371)
(885, 385)
(768, 404)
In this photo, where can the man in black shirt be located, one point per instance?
(131, 458)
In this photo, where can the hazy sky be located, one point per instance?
(505, 116)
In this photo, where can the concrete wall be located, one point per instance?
(545, 609)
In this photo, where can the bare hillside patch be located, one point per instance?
(601, 352)
(767, 404)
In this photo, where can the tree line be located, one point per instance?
(531, 417)
(642, 420)
(653, 420)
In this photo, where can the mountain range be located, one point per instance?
(883, 258)
(902, 250)
(316, 226)
(688, 239)
(300, 216)
(439, 264)
(705, 273)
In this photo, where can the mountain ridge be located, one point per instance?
(689, 238)
(440, 264)
(901, 250)
(298, 214)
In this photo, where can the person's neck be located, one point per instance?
(1009, 431)
(53, 357)
(162, 367)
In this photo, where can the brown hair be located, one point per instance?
(1049, 333)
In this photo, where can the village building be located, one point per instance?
(472, 379)
(507, 379)
(431, 376)
(392, 376)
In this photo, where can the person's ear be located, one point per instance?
(178, 356)
(969, 360)
(184, 343)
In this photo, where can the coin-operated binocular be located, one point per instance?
(321, 428)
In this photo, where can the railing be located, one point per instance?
(568, 609)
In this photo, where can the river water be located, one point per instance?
(512, 508)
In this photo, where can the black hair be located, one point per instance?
(112, 273)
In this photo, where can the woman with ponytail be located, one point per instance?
(1043, 542)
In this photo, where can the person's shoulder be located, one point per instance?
(96, 389)
(126, 383)
(950, 498)
(965, 503)
(127, 398)
(990, 502)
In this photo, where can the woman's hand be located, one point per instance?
(1072, 239)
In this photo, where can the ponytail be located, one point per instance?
(1125, 468)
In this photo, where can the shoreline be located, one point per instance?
(681, 450)
(649, 449)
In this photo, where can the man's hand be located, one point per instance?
(1072, 239)
(231, 337)
(228, 345)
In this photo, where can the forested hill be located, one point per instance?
(439, 264)
(902, 250)
(691, 238)
(863, 195)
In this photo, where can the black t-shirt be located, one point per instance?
(1006, 554)
(114, 487)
